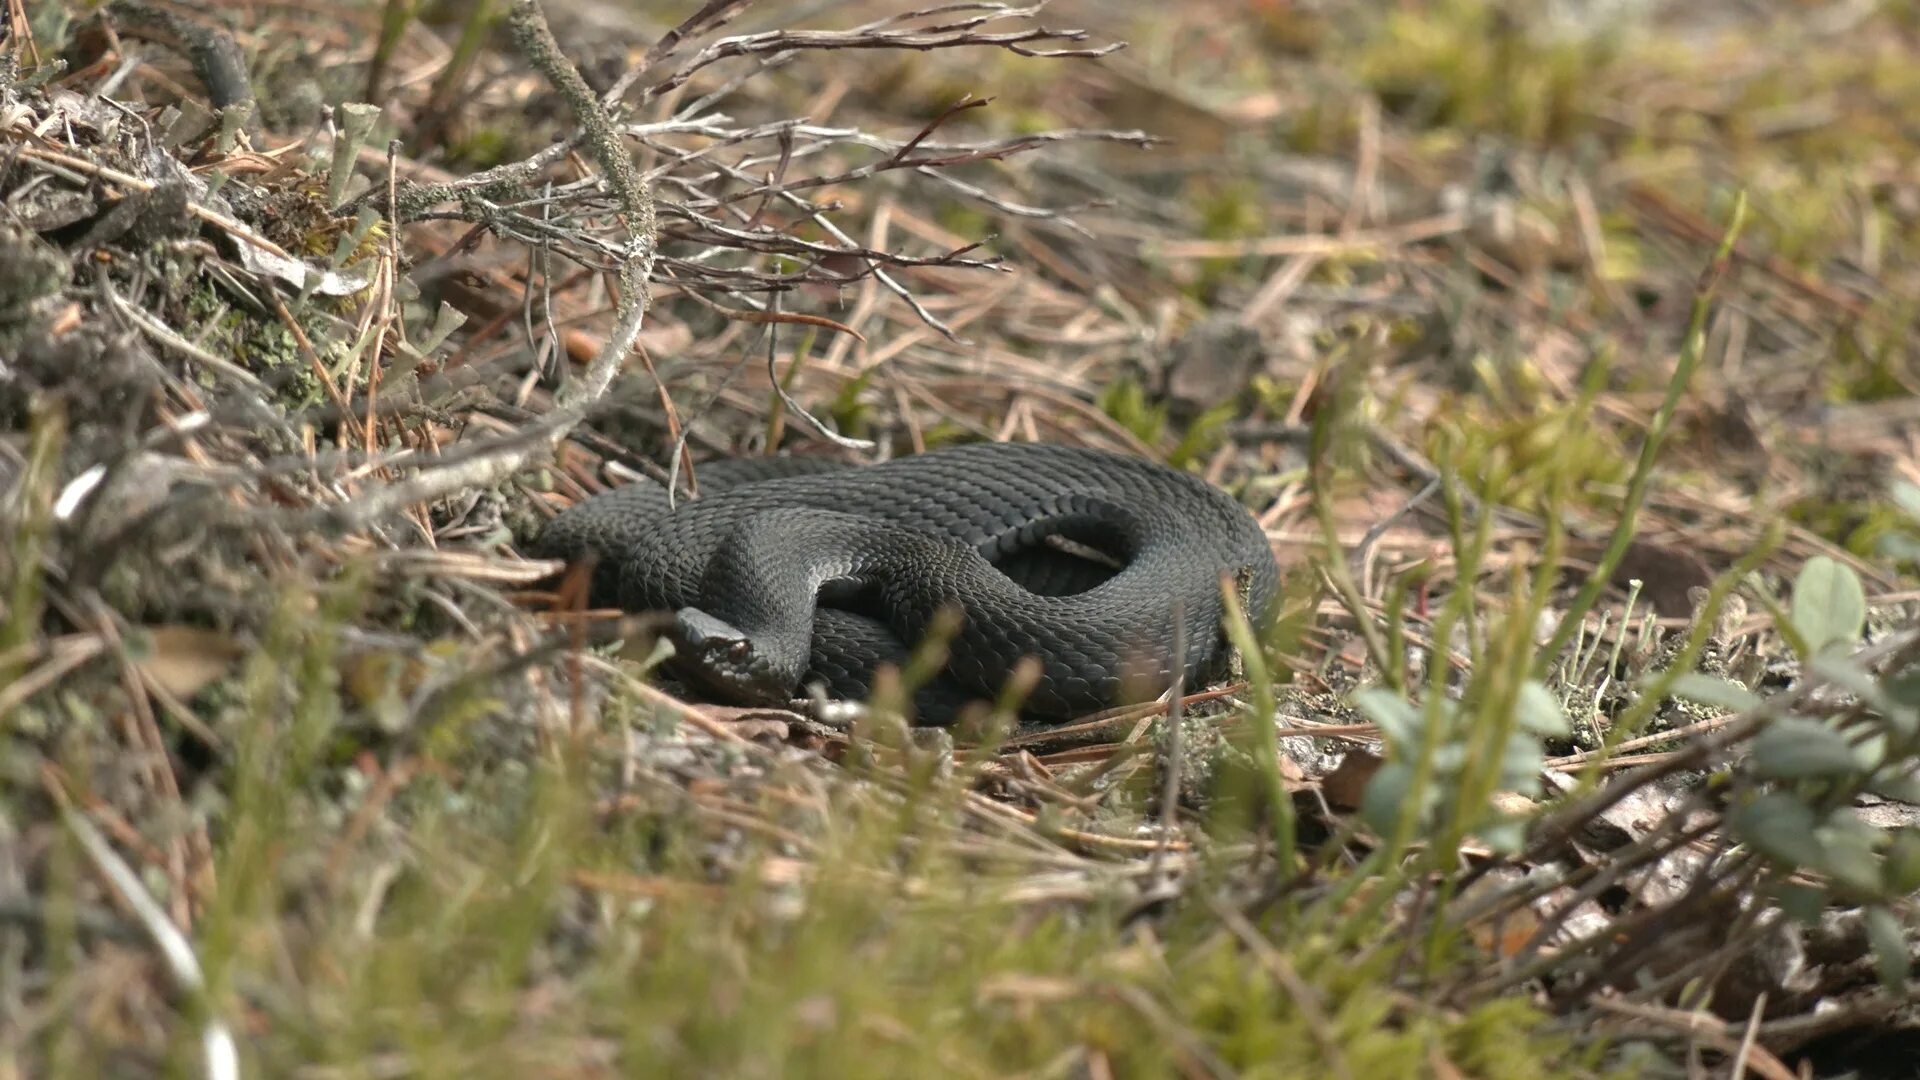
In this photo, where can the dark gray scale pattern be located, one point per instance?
(790, 570)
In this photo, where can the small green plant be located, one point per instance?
(1792, 799)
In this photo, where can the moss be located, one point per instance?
(1125, 401)
(1228, 210)
(484, 147)
(262, 346)
(1868, 528)
(964, 219)
(1485, 65)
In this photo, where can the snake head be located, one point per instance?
(724, 661)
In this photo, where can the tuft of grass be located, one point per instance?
(1487, 65)
(21, 556)
(1533, 441)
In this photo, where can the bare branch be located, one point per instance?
(881, 35)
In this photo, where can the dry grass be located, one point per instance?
(1567, 365)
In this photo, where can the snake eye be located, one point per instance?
(739, 650)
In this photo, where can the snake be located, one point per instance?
(1095, 576)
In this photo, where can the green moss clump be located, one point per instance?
(1484, 65)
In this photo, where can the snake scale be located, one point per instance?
(795, 570)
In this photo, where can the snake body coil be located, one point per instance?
(796, 570)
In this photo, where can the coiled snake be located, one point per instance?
(790, 570)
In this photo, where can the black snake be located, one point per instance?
(790, 570)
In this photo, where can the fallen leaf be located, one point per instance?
(1345, 786)
(183, 660)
